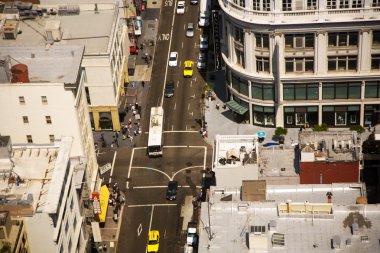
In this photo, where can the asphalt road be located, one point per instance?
(186, 154)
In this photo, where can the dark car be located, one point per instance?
(171, 193)
(169, 90)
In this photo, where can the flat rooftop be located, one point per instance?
(37, 177)
(89, 28)
(237, 226)
(56, 64)
(277, 161)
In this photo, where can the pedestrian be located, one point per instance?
(127, 109)
(133, 107)
(122, 200)
(124, 137)
(217, 106)
(143, 84)
(131, 138)
(104, 247)
(137, 106)
(134, 112)
(116, 135)
(140, 130)
(129, 121)
(135, 132)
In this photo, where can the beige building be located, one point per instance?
(98, 27)
(295, 62)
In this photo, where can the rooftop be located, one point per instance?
(242, 226)
(36, 178)
(89, 25)
(329, 146)
(56, 64)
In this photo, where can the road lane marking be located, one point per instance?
(187, 168)
(157, 170)
(147, 205)
(113, 164)
(188, 106)
(167, 59)
(172, 127)
(177, 83)
(175, 105)
(182, 44)
(161, 186)
(180, 131)
(191, 83)
(130, 165)
(139, 230)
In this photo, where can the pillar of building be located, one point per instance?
(364, 55)
(248, 49)
(320, 53)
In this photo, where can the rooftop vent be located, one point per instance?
(278, 240)
(10, 29)
(257, 230)
(68, 10)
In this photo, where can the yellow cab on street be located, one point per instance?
(153, 241)
(188, 70)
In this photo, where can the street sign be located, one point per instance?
(106, 167)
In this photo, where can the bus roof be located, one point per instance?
(155, 126)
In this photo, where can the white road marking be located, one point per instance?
(182, 44)
(177, 83)
(151, 218)
(195, 44)
(191, 83)
(130, 165)
(187, 168)
(188, 106)
(179, 131)
(113, 164)
(195, 80)
(167, 60)
(139, 230)
(157, 170)
(175, 105)
(152, 205)
(162, 186)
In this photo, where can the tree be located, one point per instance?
(280, 131)
(320, 128)
(6, 248)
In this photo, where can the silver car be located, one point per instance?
(190, 30)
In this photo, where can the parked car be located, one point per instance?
(201, 64)
(193, 1)
(171, 193)
(173, 59)
(190, 30)
(169, 89)
(203, 42)
(181, 7)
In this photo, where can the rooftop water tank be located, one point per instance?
(20, 73)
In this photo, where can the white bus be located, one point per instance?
(156, 126)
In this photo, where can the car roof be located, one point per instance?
(181, 2)
(172, 183)
(153, 234)
(173, 53)
(190, 24)
(170, 84)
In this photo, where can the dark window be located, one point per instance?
(375, 62)
(376, 37)
(262, 91)
(372, 90)
(240, 85)
(343, 39)
(341, 90)
(300, 92)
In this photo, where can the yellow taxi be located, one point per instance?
(188, 70)
(153, 241)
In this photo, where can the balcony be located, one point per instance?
(296, 17)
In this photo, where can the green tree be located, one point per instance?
(320, 128)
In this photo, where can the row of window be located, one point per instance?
(288, 5)
(22, 101)
(29, 138)
(310, 91)
(306, 64)
(335, 39)
(25, 120)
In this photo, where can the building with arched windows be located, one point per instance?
(303, 61)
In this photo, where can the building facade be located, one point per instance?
(296, 62)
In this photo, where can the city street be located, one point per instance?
(186, 154)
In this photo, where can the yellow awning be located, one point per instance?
(103, 199)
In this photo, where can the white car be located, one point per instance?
(201, 64)
(173, 59)
(181, 7)
(203, 42)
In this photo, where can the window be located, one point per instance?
(344, 4)
(240, 2)
(48, 120)
(331, 4)
(29, 139)
(300, 115)
(263, 115)
(240, 85)
(342, 63)
(87, 95)
(240, 57)
(375, 3)
(25, 119)
(239, 35)
(311, 4)
(262, 64)
(44, 100)
(376, 37)
(21, 99)
(343, 39)
(286, 5)
(372, 89)
(262, 91)
(341, 90)
(266, 5)
(51, 138)
(300, 91)
(357, 4)
(299, 41)
(262, 40)
(299, 64)
(375, 62)
(67, 226)
(256, 5)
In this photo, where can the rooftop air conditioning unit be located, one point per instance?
(10, 29)
(53, 30)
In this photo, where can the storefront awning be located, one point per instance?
(236, 107)
(103, 199)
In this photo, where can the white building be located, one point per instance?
(41, 184)
(52, 104)
(98, 27)
(293, 219)
(296, 62)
